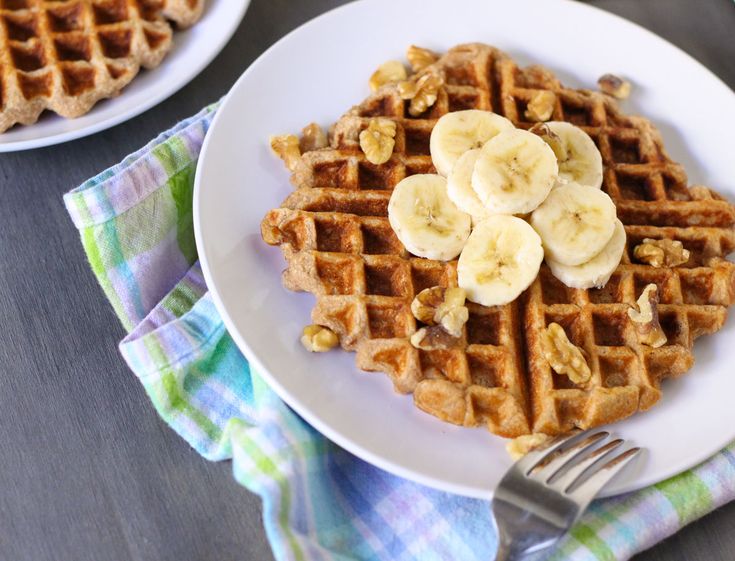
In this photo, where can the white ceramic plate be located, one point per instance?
(304, 78)
(193, 49)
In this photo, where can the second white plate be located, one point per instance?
(193, 49)
(304, 78)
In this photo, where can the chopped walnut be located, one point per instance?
(377, 141)
(425, 304)
(661, 253)
(286, 147)
(318, 339)
(541, 106)
(563, 356)
(440, 306)
(407, 89)
(552, 139)
(650, 254)
(387, 73)
(422, 92)
(313, 137)
(614, 86)
(420, 58)
(519, 447)
(433, 338)
(645, 318)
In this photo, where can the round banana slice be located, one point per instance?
(425, 219)
(459, 187)
(459, 131)
(598, 270)
(500, 260)
(514, 172)
(575, 223)
(577, 155)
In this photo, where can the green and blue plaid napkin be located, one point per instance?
(319, 501)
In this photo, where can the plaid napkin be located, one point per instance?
(319, 501)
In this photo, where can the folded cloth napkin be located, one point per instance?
(319, 501)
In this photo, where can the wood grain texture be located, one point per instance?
(88, 471)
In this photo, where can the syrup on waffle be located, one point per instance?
(67, 55)
(334, 233)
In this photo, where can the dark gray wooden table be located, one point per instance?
(88, 472)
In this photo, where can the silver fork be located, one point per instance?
(545, 492)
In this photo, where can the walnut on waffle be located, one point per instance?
(67, 55)
(338, 244)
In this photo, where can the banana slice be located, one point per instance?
(575, 223)
(514, 172)
(459, 187)
(578, 157)
(500, 260)
(459, 131)
(426, 220)
(597, 271)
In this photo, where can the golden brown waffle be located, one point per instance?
(67, 55)
(338, 244)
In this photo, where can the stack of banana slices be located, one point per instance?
(503, 200)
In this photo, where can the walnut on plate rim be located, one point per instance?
(287, 148)
(318, 338)
(313, 137)
(522, 445)
(390, 72)
(614, 86)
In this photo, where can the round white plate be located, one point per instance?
(193, 49)
(304, 78)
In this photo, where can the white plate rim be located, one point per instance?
(332, 433)
(231, 11)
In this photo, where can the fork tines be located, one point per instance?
(579, 463)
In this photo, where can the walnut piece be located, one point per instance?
(614, 86)
(552, 139)
(541, 106)
(519, 447)
(661, 253)
(286, 147)
(419, 58)
(442, 306)
(387, 73)
(645, 318)
(313, 137)
(433, 338)
(563, 356)
(318, 339)
(377, 141)
(422, 92)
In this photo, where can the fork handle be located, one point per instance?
(507, 552)
(504, 552)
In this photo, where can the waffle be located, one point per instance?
(67, 55)
(334, 233)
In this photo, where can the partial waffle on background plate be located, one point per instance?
(339, 245)
(67, 55)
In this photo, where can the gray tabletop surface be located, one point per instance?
(88, 472)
